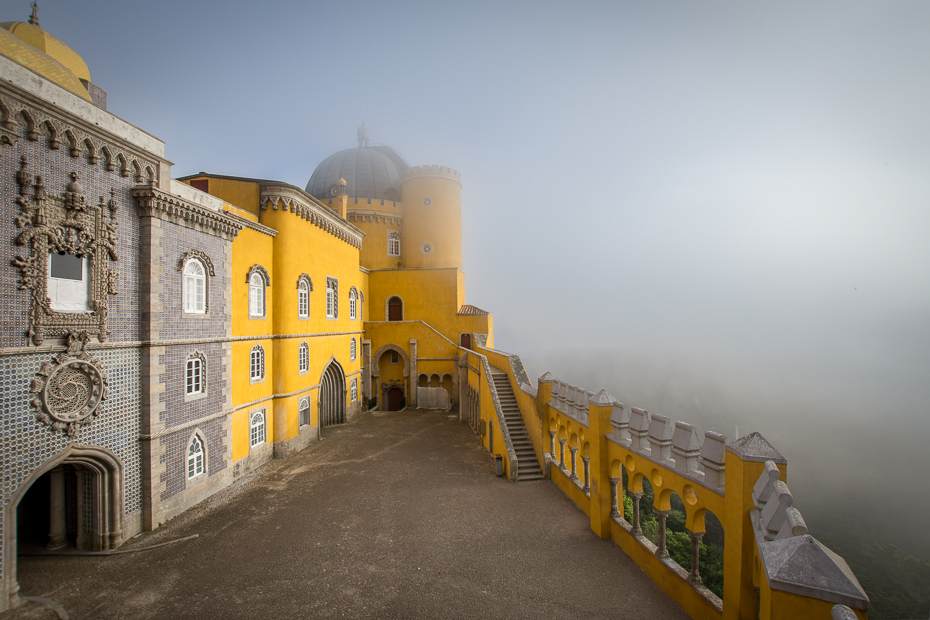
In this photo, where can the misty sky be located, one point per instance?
(727, 206)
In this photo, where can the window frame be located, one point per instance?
(332, 298)
(258, 433)
(353, 304)
(303, 358)
(300, 409)
(257, 351)
(303, 300)
(192, 459)
(186, 279)
(353, 350)
(85, 283)
(393, 243)
(353, 389)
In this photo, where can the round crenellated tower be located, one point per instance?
(432, 198)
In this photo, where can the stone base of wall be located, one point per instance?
(306, 434)
(197, 490)
(258, 456)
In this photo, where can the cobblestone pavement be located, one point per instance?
(394, 515)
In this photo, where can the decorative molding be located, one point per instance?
(305, 277)
(376, 359)
(199, 255)
(67, 392)
(256, 268)
(333, 283)
(67, 225)
(302, 204)
(154, 202)
(87, 141)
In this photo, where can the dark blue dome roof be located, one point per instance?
(370, 172)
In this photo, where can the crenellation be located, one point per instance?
(660, 436)
(686, 447)
(713, 459)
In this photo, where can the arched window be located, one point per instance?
(393, 243)
(257, 364)
(195, 457)
(395, 309)
(303, 412)
(257, 428)
(195, 287)
(353, 304)
(195, 372)
(353, 390)
(352, 350)
(303, 300)
(332, 298)
(303, 358)
(256, 296)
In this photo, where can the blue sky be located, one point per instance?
(727, 198)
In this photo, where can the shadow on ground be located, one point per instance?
(394, 515)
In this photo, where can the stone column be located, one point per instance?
(562, 453)
(614, 497)
(58, 524)
(695, 577)
(552, 443)
(587, 474)
(574, 451)
(637, 530)
(412, 372)
(662, 551)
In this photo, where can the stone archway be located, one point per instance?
(332, 399)
(386, 391)
(99, 473)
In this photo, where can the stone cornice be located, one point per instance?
(290, 198)
(154, 202)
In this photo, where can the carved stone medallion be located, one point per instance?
(67, 392)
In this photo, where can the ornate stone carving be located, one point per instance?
(156, 203)
(305, 278)
(67, 392)
(261, 271)
(199, 255)
(68, 225)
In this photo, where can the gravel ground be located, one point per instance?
(393, 515)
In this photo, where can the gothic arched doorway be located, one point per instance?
(332, 401)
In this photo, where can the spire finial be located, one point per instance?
(362, 135)
(34, 18)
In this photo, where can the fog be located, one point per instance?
(718, 212)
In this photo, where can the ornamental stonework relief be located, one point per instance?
(66, 225)
(67, 392)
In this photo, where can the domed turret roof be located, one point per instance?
(35, 59)
(369, 172)
(32, 34)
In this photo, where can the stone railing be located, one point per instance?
(772, 567)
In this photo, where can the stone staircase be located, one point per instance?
(527, 465)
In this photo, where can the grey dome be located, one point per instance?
(369, 171)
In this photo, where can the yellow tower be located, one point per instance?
(432, 197)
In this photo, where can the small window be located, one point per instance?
(352, 350)
(393, 248)
(354, 390)
(68, 283)
(303, 300)
(303, 412)
(353, 304)
(195, 454)
(395, 309)
(194, 376)
(303, 358)
(332, 298)
(395, 358)
(195, 287)
(257, 428)
(201, 184)
(256, 296)
(257, 364)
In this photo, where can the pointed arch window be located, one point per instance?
(353, 349)
(257, 364)
(332, 298)
(195, 287)
(195, 457)
(353, 304)
(303, 358)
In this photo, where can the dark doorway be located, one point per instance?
(395, 309)
(394, 396)
(332, 396)
(465, 340)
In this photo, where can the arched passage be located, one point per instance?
(332, 400)
(80, 491)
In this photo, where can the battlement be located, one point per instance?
(444, 172)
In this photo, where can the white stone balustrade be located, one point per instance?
(713, 458)
(639, 429)
(660, 437)
(686, 447)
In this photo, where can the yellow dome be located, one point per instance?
(31, 57)
(36, 37)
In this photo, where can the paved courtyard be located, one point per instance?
(394, 515)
